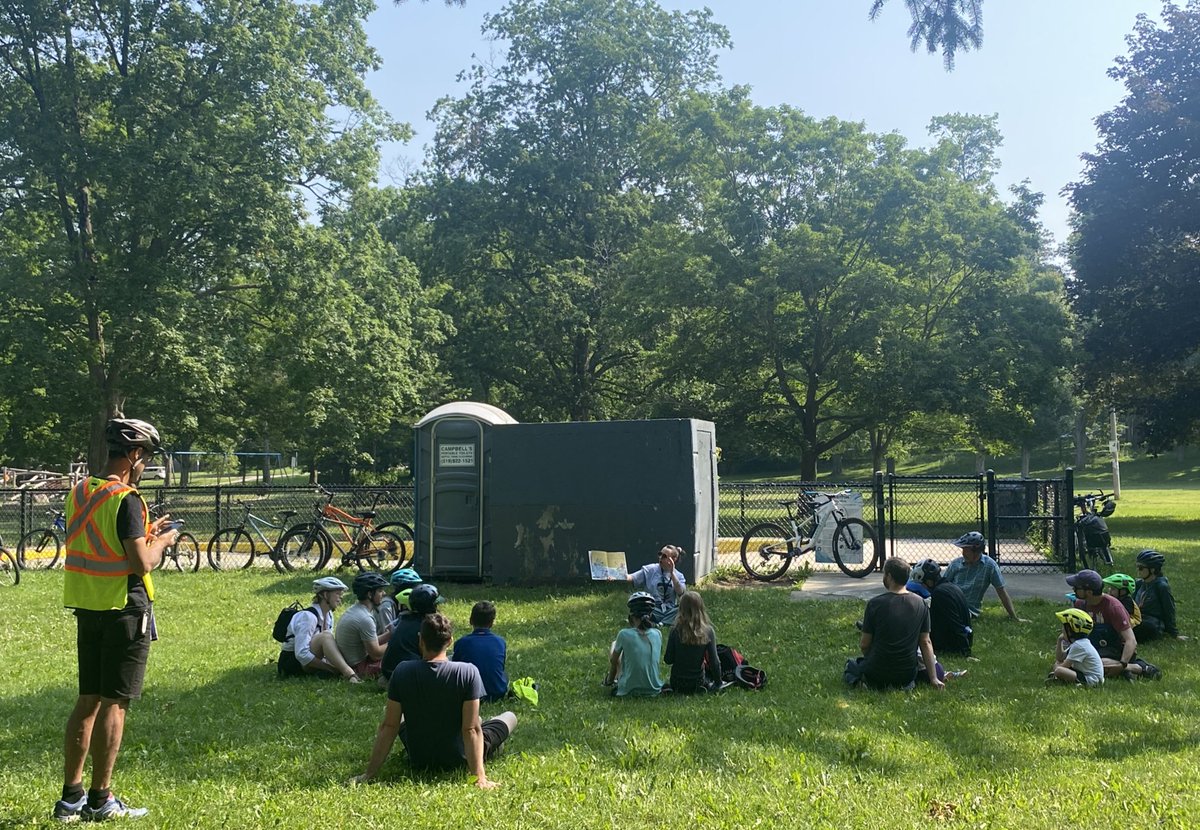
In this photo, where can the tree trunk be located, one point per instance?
(836, 466)
(1080, 441)
(266, 460)
(980, 462)
(1025, 462)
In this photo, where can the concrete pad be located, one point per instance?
(1049, 585)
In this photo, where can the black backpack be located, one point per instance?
(280, 630)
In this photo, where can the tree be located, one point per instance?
(546, 176)
(1136, 223)
(156, 149)
(950, 25)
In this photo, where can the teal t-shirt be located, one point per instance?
(640, 652)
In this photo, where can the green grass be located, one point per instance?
(218, 742)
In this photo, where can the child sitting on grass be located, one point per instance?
(1122, 586)
(633, 659)
(1076, 659)
(693, 640)
(485, 650)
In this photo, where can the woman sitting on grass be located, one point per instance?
(692, 640)
(633, 660)
(310, 647)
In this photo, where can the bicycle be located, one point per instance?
(40, 548)
(10, 574)
(365, 547)
(1093, 542)
(233, 548)
(185, 553)
(768, 549)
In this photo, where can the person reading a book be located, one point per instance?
(664, 582)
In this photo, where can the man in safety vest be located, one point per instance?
(111, 548)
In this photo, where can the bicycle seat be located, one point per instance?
(369, 514)
(787, 502)
(286, 514)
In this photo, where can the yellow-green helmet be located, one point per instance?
(1076, 620)
(1121, 581)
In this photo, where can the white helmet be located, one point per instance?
(328, 583)
(127, 433)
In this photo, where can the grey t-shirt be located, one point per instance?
(354, 630)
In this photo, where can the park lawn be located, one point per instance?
(218, 742)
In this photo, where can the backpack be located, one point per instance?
(730, 659)
(280, 629)
(749, 677)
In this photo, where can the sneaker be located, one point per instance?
(69, 810)
(1151, 671)
(113, 808)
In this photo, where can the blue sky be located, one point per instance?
(1042, 69)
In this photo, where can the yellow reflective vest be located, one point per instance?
(97, 570)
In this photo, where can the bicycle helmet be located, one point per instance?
(1076, 620)
(367, 583)
(641, 604)
(1108, 508)
(973, 539)
(926, 571)
(402, 578)
(127, 433)
(1121, 581)
(328, 583)
(1152, 559)
(424, 599)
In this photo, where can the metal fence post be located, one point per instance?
(217, 508)
(1068, 515)
(880, 513)
(992, 519)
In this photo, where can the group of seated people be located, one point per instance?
(395, 633)
(926, 612)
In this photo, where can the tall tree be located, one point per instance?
(950, 25)
(157, 147)
(1136, 223)
(546, 176)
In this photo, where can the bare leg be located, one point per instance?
(78, 738)
(324, 647)
(1064, 674)
(107, 731)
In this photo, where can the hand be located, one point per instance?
(158, 523)
(484, 783)
(358, 779)
(1019, 619)
(938, 685)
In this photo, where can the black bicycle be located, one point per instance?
(1093, 542)
(41, 548)
(10, 574)
(231, 548)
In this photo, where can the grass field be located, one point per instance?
(218, 742)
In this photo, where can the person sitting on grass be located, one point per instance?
(633, 658)
(356, 633)
(975, 571)
(433, 707)
(692, 649)
(949, 615)
(391, 606)
(664, 582)
(1122, 587)
(310, 647)
(894, 626)
(485, 650)
(1111, 632)
(1076, 660)
(404, 644)
(1153, 596)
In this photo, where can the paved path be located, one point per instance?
(836, 585)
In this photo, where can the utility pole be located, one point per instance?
(1114, 446)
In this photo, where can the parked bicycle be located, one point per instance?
(768, 548)
(185, 553)
(10, 574)
(362, 545)
(41, 548)
(1093, 542)
(231, 548)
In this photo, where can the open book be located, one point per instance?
(608, 565)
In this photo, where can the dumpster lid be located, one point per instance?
(468, 409)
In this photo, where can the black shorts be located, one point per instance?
(495, 733)
(289, 666)
(112, 649)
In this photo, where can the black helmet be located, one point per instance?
(641, 604)
(1108, 508)
(1152, 559)
(973, 539)
(127, 433)
(424, 599)
(926, 571)
(366, 583)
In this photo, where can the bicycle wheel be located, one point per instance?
(408, 542)
(39, 549)
(767, 550)
(187, 553)
(230, 549)
(854, 547)
(10, 574)
(304, 546)
(383, 551)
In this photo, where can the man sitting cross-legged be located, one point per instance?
(433, 707)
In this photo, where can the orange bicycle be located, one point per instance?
(362, 545)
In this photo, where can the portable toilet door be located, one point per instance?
(452, 452)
